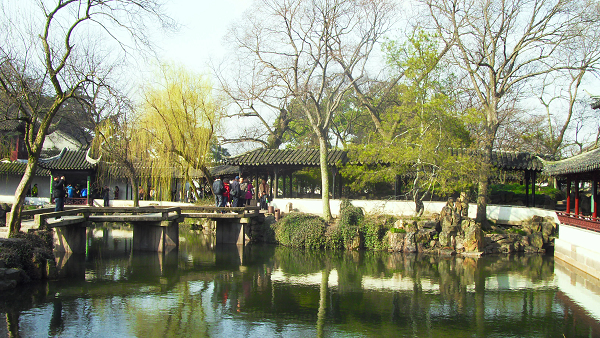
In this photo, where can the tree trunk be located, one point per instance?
(323, 152)
(14, 220)
(134, 190)
(483, 185)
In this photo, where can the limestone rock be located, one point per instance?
(474, 238)
(428, 224)
(410, 226)
(7, 284)
(396, 241)
(447, 252)
(13, 274)
(409, 243)
(445, 238)
(536, 240)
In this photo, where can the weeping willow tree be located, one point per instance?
(167, 135)
(178, 119)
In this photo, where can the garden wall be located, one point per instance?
(504, 214)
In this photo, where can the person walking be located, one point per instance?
(235, 192)
(34, 191)
(218, 190)
(58, 192)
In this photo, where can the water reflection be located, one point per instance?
(208, 290)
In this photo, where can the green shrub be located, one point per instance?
(350, 221)
(333, 238)
(516, 230)
(397, 231)
(374, 229)
(301, 230)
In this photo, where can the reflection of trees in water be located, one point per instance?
(419, 295)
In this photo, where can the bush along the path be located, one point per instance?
(26, 257)
(447, 233)
(301, 230)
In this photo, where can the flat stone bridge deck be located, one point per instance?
(154, 228)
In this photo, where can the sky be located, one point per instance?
(204, 24)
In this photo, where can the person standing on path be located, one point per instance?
(249, 193)
(226, 195)
(263, 187)
(235, 192)
(243, 190)
(218, 190)
(58, 192)
(106, 195)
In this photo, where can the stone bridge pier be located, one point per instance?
(155, 236)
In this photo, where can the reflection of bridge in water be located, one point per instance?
(154, 228)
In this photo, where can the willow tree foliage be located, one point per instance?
(48, 50)
(178, 119)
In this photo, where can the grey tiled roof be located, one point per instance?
(18, 168)
(224, 169)
(517, 161)
(301, 157)
(70, 160)
(582, 163)
(511, 160)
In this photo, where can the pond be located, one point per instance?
(204, 290)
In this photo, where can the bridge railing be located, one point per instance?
(41, 219)
(41, 216)
(238, 210)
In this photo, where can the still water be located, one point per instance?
(203, 290)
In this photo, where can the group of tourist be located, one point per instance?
(235, 193)
(62, 190)
(148, 195)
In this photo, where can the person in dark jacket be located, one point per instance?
(218, 190)
(58, 192)
(106, 195)
(235, 192)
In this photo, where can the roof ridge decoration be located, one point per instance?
(91, 160)
(54, 158)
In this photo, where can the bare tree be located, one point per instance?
(53, 55)
(296, 44)
(264, 112)
(499, 46)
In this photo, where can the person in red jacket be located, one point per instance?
(226, 195)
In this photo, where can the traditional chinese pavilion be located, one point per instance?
(583, 169)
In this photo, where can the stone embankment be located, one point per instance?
(26, 258)
(452, 232)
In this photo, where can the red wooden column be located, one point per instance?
(595, 194)
(568, 195)
(576, 196)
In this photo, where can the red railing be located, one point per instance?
(580, 221)
(76, 200)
